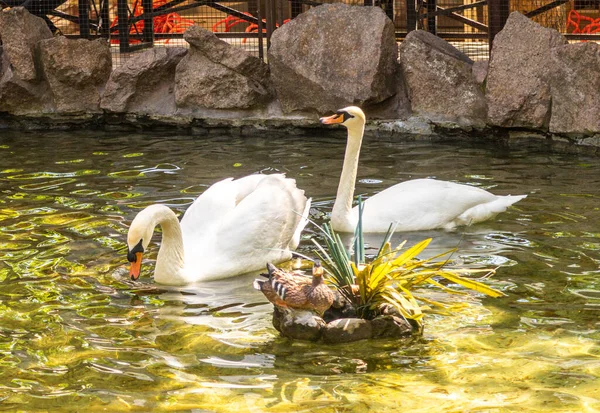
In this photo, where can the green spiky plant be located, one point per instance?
(393, 277)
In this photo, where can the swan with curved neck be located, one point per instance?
(414, 205)
(234, 227)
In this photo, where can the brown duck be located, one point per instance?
(285, 289)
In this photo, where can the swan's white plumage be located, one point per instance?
(234, 227)
(419, 204)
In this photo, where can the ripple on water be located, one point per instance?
(77, 334)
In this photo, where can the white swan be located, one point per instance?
(414, 205)
(234, 227)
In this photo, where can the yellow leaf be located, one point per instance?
(411, 253)
(471, 284)
(443, 287)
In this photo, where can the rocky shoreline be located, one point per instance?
(536, 90)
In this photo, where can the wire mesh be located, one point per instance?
(132, 25)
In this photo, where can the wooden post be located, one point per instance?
(105, 18)
(411, 16)
(431, 19)
(148, 33)
(279, 13)
(123, 25)
(261, 52)
(296, 8)
(498, 11)
(84, 18)
(270, 20)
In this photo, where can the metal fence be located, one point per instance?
(131, 25)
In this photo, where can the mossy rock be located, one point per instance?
(306, 325)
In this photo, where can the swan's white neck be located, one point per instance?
(341, 215)
(170, 260)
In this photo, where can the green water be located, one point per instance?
(77, 335)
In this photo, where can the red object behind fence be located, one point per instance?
(164, 24)
(575, 20)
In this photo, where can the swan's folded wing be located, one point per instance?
(263, 224)
(421, 204)
(213, 206)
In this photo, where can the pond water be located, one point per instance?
(77, 335)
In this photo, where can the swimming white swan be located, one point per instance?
(414, 205)
(234, 227)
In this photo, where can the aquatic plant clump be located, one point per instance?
(384, 297)
(390, 282)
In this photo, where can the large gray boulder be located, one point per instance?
(518, 87)
(440, 80)
(575, 82)
(216, 75)
(145, 83)
(332, 56)
(20, 31)
(22, 89)
(76, 71)
(21, 97)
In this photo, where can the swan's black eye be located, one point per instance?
(131, 257)
(345, 115)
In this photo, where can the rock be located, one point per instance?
(216, 75)
(480, 71)
(518, 88)
(345, 330)
(593, 141)
(332, 56)
(20, 31)
(145, 83)
(396, 107)
(77, 71)
(21, 97)
(574, 78)
(298, 324)
(341, 308)
(389, 326)
(440, 80)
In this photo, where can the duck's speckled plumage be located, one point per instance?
(295, 291)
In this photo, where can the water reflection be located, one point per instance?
(77, 334)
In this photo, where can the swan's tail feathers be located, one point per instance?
(301, 225)
(504, 202)
(489, 210)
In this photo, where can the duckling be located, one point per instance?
(287, 290)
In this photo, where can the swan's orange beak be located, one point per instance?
(136, 266)
(330, 120)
